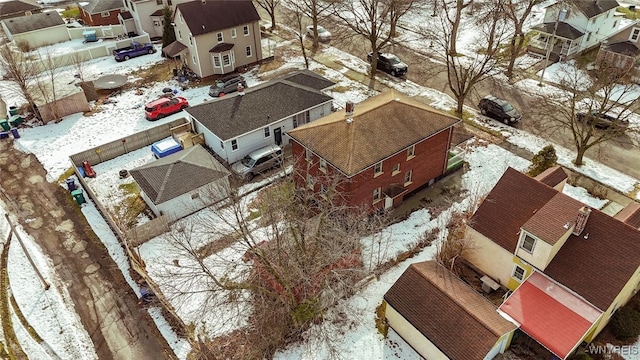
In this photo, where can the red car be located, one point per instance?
(164, 106)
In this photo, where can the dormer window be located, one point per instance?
(635, 34)
(528, 243)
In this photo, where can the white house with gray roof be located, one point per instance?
(237, 124)
(37, 30)
(182, 183)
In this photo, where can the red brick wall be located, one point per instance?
(97, 19)
(429, 162)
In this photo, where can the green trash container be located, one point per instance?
(16, 120)
(13, 110)
(78, 196)
(5, 125)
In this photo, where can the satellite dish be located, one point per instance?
(109, 82)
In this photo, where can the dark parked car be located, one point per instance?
(499, 109)
(226, 85)
(390, 64)
(164, 106)
(604, 121)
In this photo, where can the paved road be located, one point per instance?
(622, 155)
(106, 305)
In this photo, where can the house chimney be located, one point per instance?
(348, 111)
(240, 89)
(203, 1)
(581, 220)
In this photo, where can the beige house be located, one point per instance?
(145, 16)
(441, 317)
(622, 50)
(37, 30)
(530, 237)
(216, 37)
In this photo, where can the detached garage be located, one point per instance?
(182, 183)
(60, 100)
(441, 317)
(37, 30)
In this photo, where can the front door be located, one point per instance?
(388, 203)
(277, 135)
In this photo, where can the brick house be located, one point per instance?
(101, 12)
(388, 147)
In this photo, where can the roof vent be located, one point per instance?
(240, 89)
(348, 111)
(567, 225)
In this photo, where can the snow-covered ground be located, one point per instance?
(51, 313)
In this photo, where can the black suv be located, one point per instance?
(226, 85)
(604, 121)
(390, 64)
(499, 109)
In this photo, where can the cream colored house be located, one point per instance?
(37, 30)
(146, 16)
(529, 237)
(441, 317)
(216, 37)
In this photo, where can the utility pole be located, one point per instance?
(24, 248)
(562, 13)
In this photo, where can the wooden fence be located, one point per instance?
(147, 231)
(127, 144)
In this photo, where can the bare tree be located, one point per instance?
(269, 266)
(464, 71)
(316, 10)
(517, 11)
(47, 84)
(270, 7)
(294, 19)
(22, 70)
(594, 110)
(78, 60)
(376, 20)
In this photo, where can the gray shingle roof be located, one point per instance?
(177, 174)
(564, 30)
(624, 47)
(310, 79)
(33, 22)
(8, 8)
(98, 6)
(592, 8)
(234, 115)
(203, 17)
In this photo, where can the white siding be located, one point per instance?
(43, 37)
(184, 205)
(412, 336)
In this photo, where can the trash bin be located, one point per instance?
(71, 184)
(15, 120)
(78, 196)
(5, 125)
(4, 134)
(13, 110)
(15, 133)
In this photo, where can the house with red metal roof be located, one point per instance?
(374, 153)
(569, 267)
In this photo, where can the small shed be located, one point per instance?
(60, 99)
(182, 183)
(37, 30)
(165, 147)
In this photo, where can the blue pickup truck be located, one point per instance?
(136, 49)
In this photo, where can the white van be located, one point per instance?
(258, 161)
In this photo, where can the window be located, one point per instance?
(323, 165)
(589, 37)
(190, 39)
(194, 59)
(220, 37)
(157, 23)
(635, 34)
(158, 2)
(28, 13)
(234, 145)
(310, 182)
(377, 169)
(307, 154)
(181, 19)
(518, 273)
(615, 24)
(396, 169)
(169, 2)
(195, 196)
(376, 194)
(407, 177)
(323, 190)
(528, 243)
(248, 49)
(233, 33)
(245, 30)
(267, 132)
(179, 35)
(225, 60)
(216, 61)
(104, 14)
(411, 152)
(221, 145)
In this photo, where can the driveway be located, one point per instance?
(106, 305)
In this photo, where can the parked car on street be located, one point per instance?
(499, 109)
(390, 64)
(227, 85)
(136, 49)
(601, 120)
(323, 34)
(165, 106)
(258, 162)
